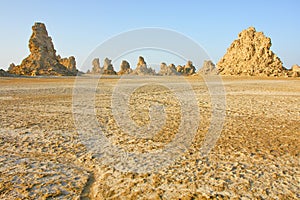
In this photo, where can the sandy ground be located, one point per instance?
(43, 155)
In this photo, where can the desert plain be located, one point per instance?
(256, 156)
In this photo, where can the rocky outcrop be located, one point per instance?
(11, 66)
(4, 73)
(142, 69)
(125, 68)
(96, 66)
(188, 69)
(250, 55)
(296, 68)
(167, 70)
(141, 61)
(108, 67)
(42, 59)
(295, 71)
(179, 69)
(69, 63)
(208, 68)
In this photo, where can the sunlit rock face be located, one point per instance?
(43, 59)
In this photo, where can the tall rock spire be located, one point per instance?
(43, 59)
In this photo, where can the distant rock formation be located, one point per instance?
(250, 55)
(69, 63)
(141, 61)
(142, 69)
(108, 67)
(188, 69)
(167, 70)
(96, 66)
(295, 71)
(125, 68)
(11, 66)
(4, 73)
(179, 69)
(42, 59)
(208, 68)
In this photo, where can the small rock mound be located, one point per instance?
(125, 68)
(69, 63)
(142, 69)
(295, 71)
(42, 59)
(96, 66)
(250, 55)
(4, 73)
(188, 69)
(167, 70)
(179, 69)
(108, 67)
(208, 68)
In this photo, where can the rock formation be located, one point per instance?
(11, 66)
(125, 68)
(188, 69)
(141, 61)
(4, 73)
(142, 69)
(108, 67)
(96, 66)
(179, 69)
(208, 68)
(42, 59)
(250, 54)
(167, 70)
(295, 71)
(69, 63)
(296, 68)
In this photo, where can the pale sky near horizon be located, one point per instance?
(78, 27)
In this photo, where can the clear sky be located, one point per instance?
(78, 27)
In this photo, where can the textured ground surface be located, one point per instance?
(257, 155)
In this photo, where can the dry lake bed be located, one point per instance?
(50, 127)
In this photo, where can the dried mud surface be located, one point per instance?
(255, 157)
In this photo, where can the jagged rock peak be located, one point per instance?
(250, 54)
(108, 67)
(42, 59)
(142, 69)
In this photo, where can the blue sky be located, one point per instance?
(78, 27)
